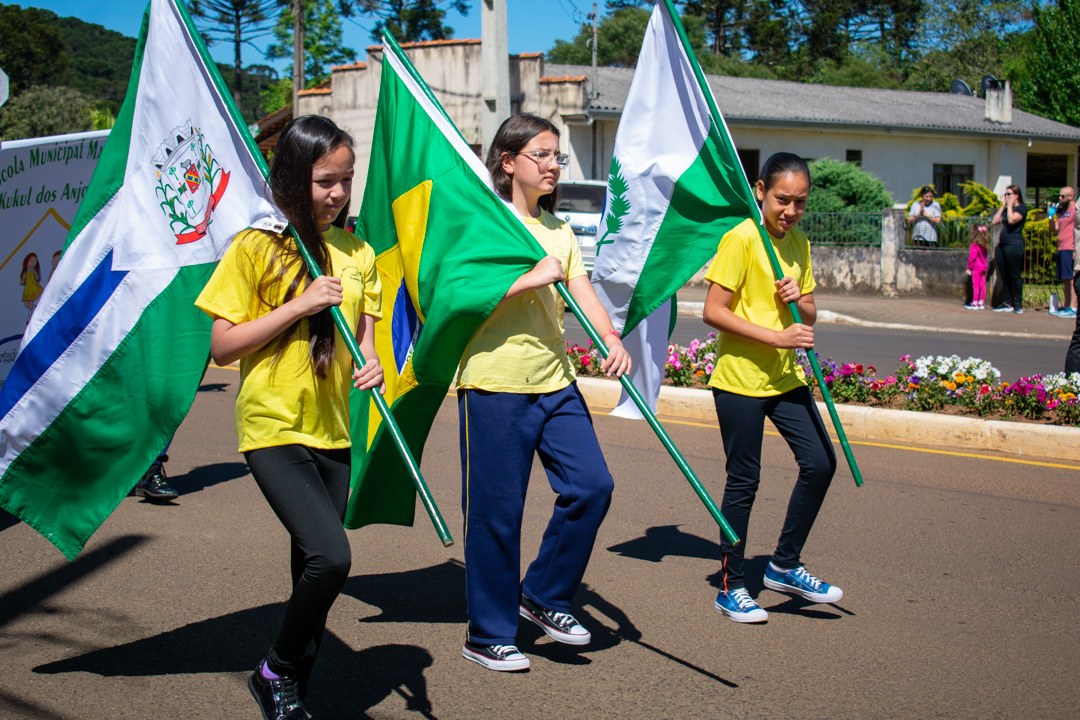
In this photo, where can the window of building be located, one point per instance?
(751, 163)
(853, 156)
(947, 178)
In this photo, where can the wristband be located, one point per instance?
(610, 332)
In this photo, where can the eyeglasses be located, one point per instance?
(1064, 197)
(1008, 193)
(543, 158)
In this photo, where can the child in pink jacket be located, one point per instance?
(980, 241)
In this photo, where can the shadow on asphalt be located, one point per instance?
(214, 387)
(7, 520)
(30, 596)
(661, 541)
(436, 594)
(198, 648)
(206, 476)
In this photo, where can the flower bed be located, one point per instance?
(931, 384)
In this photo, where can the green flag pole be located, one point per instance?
(650, 416)
(313, 269)
(718, 120)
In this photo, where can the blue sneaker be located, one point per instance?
(798, 581)
(739, 606)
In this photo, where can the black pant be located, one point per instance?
(742, 426)
(1072, 357)
(1010, 263)
(307, 490)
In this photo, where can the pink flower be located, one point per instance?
(709, 368)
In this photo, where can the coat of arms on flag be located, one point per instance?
(190, 182)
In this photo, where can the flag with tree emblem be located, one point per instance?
(675, 187)
(447, 250)
(113, 355)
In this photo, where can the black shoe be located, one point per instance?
(561, 626)
(152, 485)
(505, 658)
(278, 699)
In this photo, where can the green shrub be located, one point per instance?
(844, 187)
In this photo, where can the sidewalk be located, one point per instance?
(916, 313)
(865, 423)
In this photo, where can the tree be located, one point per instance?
(407, 20)
(237, 21)
(31, 53)
(322, 40)
(1050, 79)
(99, 62)
(620, 36)
(41, 110)
(844, 187)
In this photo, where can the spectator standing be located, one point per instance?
(1009, 255)
(925, 216)
(980, 241)
(1062, 221)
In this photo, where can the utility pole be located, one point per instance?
(298, 55)
(495, 61)
(593, 94)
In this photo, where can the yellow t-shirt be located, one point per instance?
(285, 403)
(519, 348)
(741, 265)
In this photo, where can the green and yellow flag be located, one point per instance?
(447, 249)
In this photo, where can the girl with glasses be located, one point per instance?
(517, 397)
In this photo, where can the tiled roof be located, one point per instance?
(753, 101)
(429, 43)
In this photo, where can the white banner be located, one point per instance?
(42, 181)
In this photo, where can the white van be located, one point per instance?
(581, 203)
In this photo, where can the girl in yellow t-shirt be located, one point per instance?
(517, 397)
(756, 376)
(292, 409)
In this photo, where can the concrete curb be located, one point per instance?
(866, 423)
(828, 316)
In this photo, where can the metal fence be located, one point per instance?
(853, 229)
(952, 233)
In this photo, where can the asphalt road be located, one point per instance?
(961, 597)
(1013, 357)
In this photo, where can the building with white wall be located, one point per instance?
(908, 139)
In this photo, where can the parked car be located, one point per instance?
(581, 203)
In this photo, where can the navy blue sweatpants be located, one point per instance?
(500, 433)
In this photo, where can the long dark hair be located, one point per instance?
(780, 164)
(514, 134)
(303, 142)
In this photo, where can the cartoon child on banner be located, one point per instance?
(55, 262)
(30, 279)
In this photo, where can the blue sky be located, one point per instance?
(532, 25)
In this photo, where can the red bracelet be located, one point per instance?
(610, 332)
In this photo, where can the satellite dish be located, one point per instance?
(989, 82)
(959, 87)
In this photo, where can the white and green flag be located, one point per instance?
(675, 187)
(112, 356)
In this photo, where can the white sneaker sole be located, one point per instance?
(498, 665)
(835, 594)
(565, 638)
(754, 616)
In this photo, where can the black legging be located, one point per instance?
(742, 425)
(307, 490)
(1010, 263)
(1072, 357)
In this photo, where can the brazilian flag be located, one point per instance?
(447, 250)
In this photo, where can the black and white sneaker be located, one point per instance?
(506, 658)
(560, 626)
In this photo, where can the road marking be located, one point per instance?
(909, 448)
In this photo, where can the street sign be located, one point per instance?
(3, 87)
